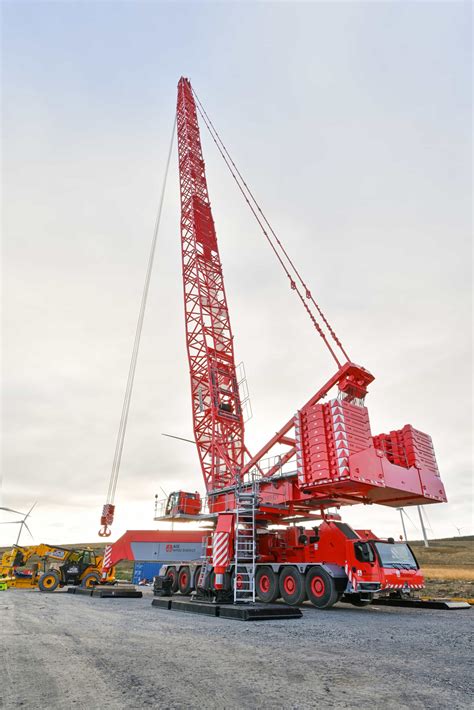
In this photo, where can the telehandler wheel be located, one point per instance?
(49, 581)
(184, 580)
(266, 585)
(90, 580)
(321, 588)
(173, 575)
(292, 589)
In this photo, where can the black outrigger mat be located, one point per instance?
(260, 612)
(423, 603)
(241, 612)
(108, 592)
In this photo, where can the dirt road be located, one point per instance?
(65, 651)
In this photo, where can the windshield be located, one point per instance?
(397, 555)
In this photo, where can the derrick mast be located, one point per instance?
(217, 415)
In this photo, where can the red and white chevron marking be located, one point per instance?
(403, 586)
(299, 451)
(352, 577)
(107, 561)
(220, 549)
(340, 437)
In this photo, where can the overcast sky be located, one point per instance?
(351, 122)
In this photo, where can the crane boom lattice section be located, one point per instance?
(217, 415)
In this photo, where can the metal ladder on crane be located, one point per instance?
(245, 544)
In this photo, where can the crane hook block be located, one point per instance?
(107, 518)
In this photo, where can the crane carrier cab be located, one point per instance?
(325, 564)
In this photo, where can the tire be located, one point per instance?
(197, 572)
(184, 580)
(90, 580)
(266, 585)
(173, 574)
(321, 588)
(292, 589)
(49, 581)
(240, 579)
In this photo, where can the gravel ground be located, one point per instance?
(65, 651)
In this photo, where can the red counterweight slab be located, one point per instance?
(337, 456)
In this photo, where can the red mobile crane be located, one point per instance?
(261, 542)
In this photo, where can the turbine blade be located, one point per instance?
(29, 512)
(10, 510)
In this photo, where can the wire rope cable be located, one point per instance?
(138, 332)
(255, 207)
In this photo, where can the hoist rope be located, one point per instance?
(136, 345)
(255, 207)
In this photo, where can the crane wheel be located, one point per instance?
(321, 588)
(172, 574)
(90, 580)
(49, 581)
(184, 580)
(266, 585)
(292, 588)
(197, 572)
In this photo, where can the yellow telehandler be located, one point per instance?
(57, 567)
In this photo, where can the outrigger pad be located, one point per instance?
(191, 607)
(79, 590)
(423, 603)
(108, 592)
(259, 612)
(242, 612)
(162, 603)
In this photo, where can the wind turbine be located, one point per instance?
(21, 522)
(402, 513)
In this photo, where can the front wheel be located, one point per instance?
(266, 583)
(90, 580)
(49, 581)
(292, 586)
(321, 588)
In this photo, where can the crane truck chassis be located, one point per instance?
(326, 564)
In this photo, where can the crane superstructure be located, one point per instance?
(261, 543)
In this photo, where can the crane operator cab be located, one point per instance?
(183, 503)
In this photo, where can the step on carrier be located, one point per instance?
(245, 545)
